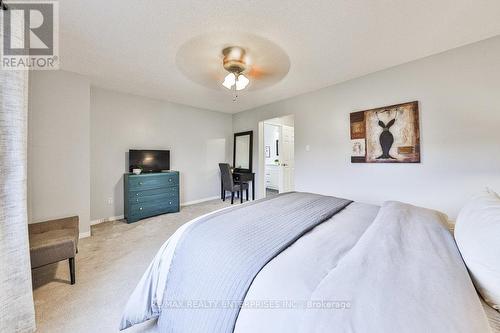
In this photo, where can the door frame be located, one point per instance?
(261, 176)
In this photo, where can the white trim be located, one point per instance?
(188, 203)
(84, 234)
(261, 171)
(107, 219)
(121, 217)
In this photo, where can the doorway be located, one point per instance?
(277, 159)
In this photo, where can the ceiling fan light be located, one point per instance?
(229, 80)
(242, 82)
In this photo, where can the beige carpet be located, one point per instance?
(108, 266)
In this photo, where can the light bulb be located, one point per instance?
(229, 81)
(242, 82)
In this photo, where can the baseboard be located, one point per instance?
(188, 203)
(107, 219)
(84, 234)
(121, 217)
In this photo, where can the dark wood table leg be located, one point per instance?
(72, 269)
(221, 189)
(253, 188)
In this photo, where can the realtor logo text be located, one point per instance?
(30, 35)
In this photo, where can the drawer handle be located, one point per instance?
(137, 200)
(140, 208)
(170, 203)
(140, 183)
(170, 179)
(137, 194)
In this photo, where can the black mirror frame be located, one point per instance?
(3, 6)
(250, 151)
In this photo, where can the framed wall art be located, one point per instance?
(389, 134)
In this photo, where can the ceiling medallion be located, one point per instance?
(231, 60)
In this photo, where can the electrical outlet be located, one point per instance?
(110, 201)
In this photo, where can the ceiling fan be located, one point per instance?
(248, 63)
(235, 62)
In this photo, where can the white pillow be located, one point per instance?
(477, 233)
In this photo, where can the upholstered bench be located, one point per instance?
(53, 241)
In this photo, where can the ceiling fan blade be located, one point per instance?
(257, 72)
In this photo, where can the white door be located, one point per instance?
(286, 157)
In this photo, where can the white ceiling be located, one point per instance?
(131, 46)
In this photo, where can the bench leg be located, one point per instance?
(72, 269)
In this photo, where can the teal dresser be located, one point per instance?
(150, 194)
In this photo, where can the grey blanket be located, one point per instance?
(218, 257)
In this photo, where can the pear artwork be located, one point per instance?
(386, 139)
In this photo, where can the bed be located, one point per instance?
(303, 262)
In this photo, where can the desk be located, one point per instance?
(242, 177)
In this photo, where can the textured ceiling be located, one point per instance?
(131, 46)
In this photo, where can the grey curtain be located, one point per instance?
(16, 298)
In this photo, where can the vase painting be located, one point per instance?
(386, 135)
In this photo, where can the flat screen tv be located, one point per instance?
(149, 160)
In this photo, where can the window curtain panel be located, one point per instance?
(16, 297)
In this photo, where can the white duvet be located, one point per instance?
(393, 269)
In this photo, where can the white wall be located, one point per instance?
(459, 98)
(79, 138)
(459, 111)
(59, 147)
(197, 139)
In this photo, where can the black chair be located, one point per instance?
(228, 183)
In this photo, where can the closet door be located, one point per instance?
(16, 299)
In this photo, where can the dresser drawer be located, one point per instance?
(168, 191)
(165, 196)
(152, 182)
(139, 215)
(142, 210)
(152, 204)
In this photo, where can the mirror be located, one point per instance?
(242, 151)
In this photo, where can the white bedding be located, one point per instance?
(349, 258)
(296, 273)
